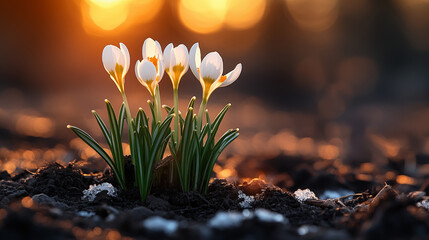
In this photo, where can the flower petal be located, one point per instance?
(136, 69)
(159, 51)
(149, 49)
(168, 53)
(111, 55)
(195, 60)
(232, 76)
(146, 71)
(126, 55)
(211, 66)
(181, 56)
(161, 70)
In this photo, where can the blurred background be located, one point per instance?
(341, 81)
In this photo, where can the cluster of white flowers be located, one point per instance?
(175, 61)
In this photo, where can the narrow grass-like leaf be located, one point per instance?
(94, 145)
(117, 151)
(121, 118)
(103, 128)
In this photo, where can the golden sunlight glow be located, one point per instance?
(243, 14)
(34, 126)
(107, 3)
(313, 15)
(108, 18)
(107, 15)
(202, 16)
(208, 16)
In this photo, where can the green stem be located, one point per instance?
(157, 105)
(127, 108)
(201, 114)
(176, 117)
(130, 132)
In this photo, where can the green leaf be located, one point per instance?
(121, 118)
(103, 128)
(219, 119)
(167, 108)
(117, 151)
(94, 145)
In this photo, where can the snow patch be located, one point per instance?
(333, 194)
(233, 219)
(91, 193)
(304, 195)
(307, 229)
(157, 223)
(227, 220)
(265, 215)
(85, 214)
(424, 204)
(246, 201)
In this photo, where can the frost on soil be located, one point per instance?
(246, 201)
(157, 223)
(91, 193)
(304, 195)
(424, 204)
(234, 219)
(333, 194)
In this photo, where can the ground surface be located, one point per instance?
(48, 204)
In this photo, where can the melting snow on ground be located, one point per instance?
(424, 204)
(304, 195)
(246, 201)
(234, 219)
(157, 223)
(91, 193)
(333, 194)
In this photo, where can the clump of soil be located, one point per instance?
(56, 210)
(57, 180)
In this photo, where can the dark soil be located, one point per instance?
(56, 210)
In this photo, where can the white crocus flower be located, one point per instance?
(116, 62)
(147, 75)
(150, 70)
(152, 51)
(209, 71)
(176, 60)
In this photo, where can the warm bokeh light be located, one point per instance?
(107, 3)
(388, 147)
(328, 151)
(107, 15)
(243, 14)
(27, 202)
(202, 16)
(207, 16)
(35, 126)
(313, 15)
(109, 18)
